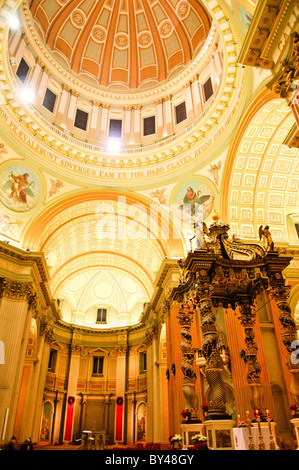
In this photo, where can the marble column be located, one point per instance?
(127, 125)
(103, 135)
(92, 133)
(213, 73)
(15, 320)
(72, 390)
(137, 124)
(71, 110)
(35, 76)
(14, 42)
(154, 418)
(39, 378)
(189, 101)
(168, 115)
(62, 106)
(42, 85)
(19, 53)
(160, 123)
(196, 97)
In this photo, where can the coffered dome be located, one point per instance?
(122, 44)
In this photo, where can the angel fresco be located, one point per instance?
(56, 185)
(195, 203)
(214, 169)
(159, 194)
(19, 189)
(7, 225)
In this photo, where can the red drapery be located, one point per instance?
(69, 419)
(119, 419)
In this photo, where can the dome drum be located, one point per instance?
(136, 119)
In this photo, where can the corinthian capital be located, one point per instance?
(16, 290)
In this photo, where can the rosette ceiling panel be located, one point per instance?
(123, 44)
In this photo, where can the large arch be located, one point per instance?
(262, 174)
(97, 232)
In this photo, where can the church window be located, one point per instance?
(97, 368)
(208, 89)
(115, 127)
(180, 112)
(149, 125)
(81, 119)
(142, 362)
(101, 315)
(23, 70)
(52, 360)
(49, 100)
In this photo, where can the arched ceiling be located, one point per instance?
(90, 288)
(264, 175)
(122, 43)
(121, 237)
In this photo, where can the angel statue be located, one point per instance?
(265, 234)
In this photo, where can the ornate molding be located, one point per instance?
(16, 290)
(285, 83)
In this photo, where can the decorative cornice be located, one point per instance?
(257, 50)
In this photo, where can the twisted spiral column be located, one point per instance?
(280, 293)
(185, 317)
(211, 350)
(247, 319)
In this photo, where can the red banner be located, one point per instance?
(119, 419)
(69, 419)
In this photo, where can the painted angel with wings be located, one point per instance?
(159, 193)
(214, 169)
(19, 186)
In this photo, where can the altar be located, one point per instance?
(241, 436)
(190, 430)
(93, 440)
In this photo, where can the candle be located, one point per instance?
(247, 414)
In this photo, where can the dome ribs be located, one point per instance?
(34, 6)
(186, 45)
(202, 14)
(160, 54)
(107, 54)
(133, 71)
(59, 20)
(82, 41)
(123, 44)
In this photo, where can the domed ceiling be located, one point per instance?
(122, 44)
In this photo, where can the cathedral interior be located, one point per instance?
(149, 224)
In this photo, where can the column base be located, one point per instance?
(220, 434)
